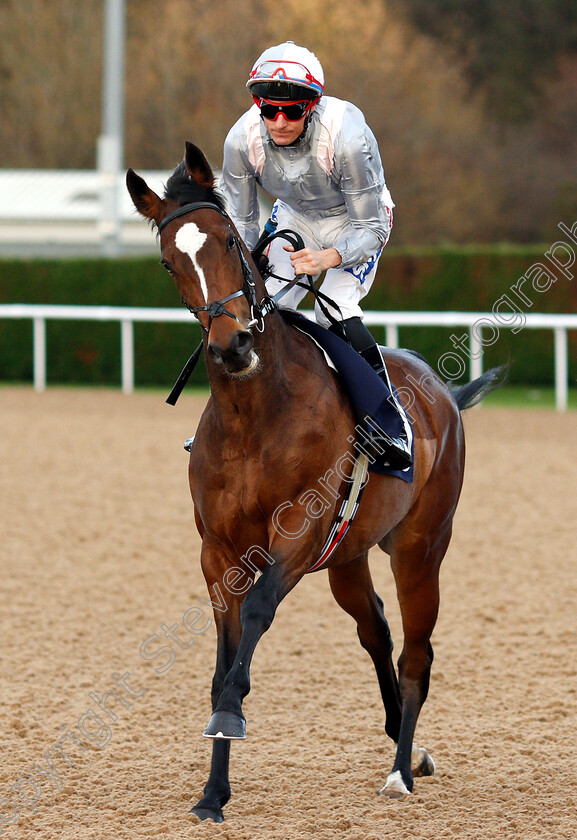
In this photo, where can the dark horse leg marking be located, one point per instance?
(257, 612)
(352, 587)
(227, 722)
(416, 570)
(217, 789)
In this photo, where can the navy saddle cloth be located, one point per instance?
(367, 391)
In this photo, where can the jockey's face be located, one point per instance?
(283, 131)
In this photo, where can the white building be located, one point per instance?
(47, 212)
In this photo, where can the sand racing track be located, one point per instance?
(99, 551)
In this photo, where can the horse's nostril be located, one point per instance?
(244, 342)
(236, 355)
(215, 352)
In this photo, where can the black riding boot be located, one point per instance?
(397, 450)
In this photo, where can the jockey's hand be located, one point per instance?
(309, 261)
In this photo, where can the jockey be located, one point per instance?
(317, 156)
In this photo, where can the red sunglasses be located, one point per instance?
(292, 111)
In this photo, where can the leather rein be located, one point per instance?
(258, 311)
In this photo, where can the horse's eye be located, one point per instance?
(230, 242)
(167, 266)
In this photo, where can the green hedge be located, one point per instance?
(460, 279)
(473, 279)
(89, 351)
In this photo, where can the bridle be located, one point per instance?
(258, 311)
(218, 307)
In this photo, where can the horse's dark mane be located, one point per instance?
(181, 188)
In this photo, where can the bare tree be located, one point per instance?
(455, 173)
(51, 68)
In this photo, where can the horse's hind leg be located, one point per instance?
(352, 587)
(416, 570)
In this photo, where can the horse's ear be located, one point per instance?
(145, 200)
(197, 165)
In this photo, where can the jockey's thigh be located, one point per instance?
(347, 287)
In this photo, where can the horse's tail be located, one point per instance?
(466, 396)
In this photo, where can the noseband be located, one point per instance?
(217, 307)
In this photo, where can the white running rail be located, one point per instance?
(127, 316)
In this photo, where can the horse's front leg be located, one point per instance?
(227, 618)
(257, 612)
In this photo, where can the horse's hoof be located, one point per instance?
(208, 814)
(421, 762)
(226, 725)
(395, 787)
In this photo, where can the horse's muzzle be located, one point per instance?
(238, 357)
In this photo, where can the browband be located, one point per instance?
(188, 208)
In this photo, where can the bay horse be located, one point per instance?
(277, 423)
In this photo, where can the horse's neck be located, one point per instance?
(268, 389)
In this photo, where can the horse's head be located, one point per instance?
(203, 252)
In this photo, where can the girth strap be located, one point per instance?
(346, 514)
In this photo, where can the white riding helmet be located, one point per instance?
(287, 73)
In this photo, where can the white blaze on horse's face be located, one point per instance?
(189, 239)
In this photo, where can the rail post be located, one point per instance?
(476, 351)
(127, 355)
(392, 336)
(39, 331)
(561, 368)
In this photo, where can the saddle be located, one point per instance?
(368, 393)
